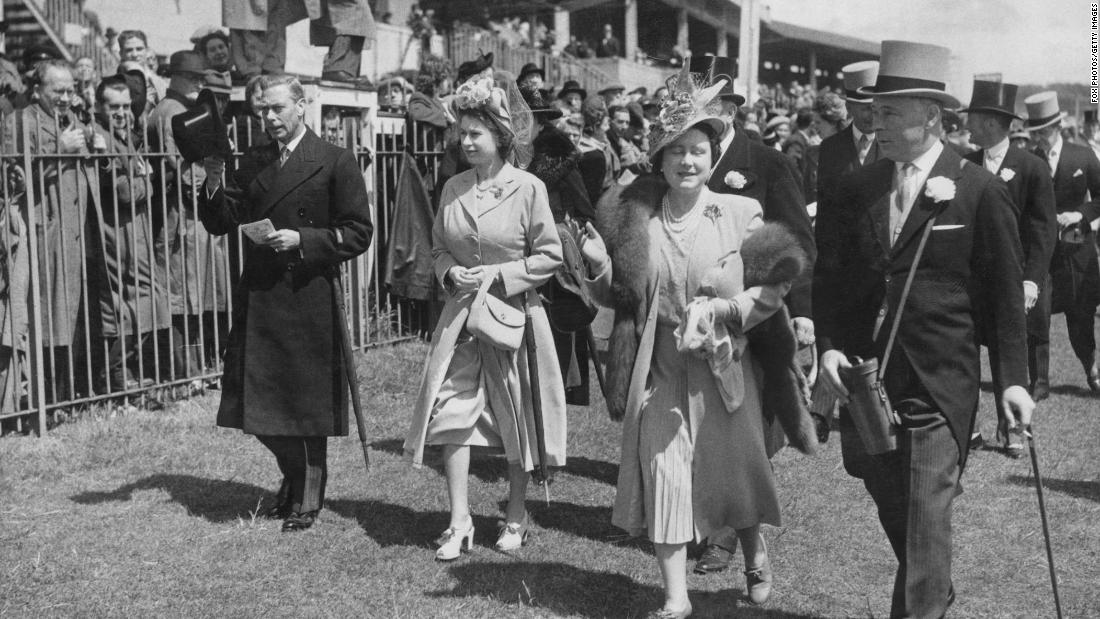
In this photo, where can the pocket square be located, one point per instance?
(1078, 173)
(947, 227)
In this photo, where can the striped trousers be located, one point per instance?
(303, 463)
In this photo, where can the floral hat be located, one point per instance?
(688, 105)
(500, 98)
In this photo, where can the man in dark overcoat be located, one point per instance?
(286, 372)
(989, 119)
(1075, 280)
(748, 168)
(972, 257)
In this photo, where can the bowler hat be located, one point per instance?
(200, 130)
(186, 61)
(1042, 110)
(572, 86)
(909, 69)
(529, 69)
(993, 98)
(714, 68)
(859, 75)
(471, 68)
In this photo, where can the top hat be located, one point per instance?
(471, 68)
(1042, 110)
(540, 108)
(135, 82)
(529, 69)
(993, 98)
(859, 75)
(1090, 116)
(714, 68)
(909, 69)
(200, 130)
(186, 61)
(572, 86)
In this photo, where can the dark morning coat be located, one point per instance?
(973, 254)
(771, 183)
(1073, 267)
(284, 366)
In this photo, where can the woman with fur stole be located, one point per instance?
(681, 373)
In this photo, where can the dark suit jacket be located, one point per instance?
(973, 255)
(771, 183)
(1073, 267)
(284, 372)
(836, 158)
(1033, 198)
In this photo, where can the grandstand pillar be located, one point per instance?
(813, 70)
(682, 30)
(723, 47)
(561, 28)
(630, 26)
(748, 56)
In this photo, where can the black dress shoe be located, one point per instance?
(715, 559)
(976, 441)
(346, 78)
(280, 511)
(299, 521)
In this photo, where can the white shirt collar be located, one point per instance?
(926, 160)
(293, 143)
(997, 151)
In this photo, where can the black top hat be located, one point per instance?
(38, 53)
(1091, 117)
(471, 68)
(714, 68)
(529, 69)
(572, 86)
(993, 98)
(200, 130)
(536, 100)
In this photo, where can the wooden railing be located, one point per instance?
(467, 42)
(64, 23)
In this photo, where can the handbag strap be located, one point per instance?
(904, 297)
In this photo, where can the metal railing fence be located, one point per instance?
(111, 288)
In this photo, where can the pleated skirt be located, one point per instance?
(703, 467)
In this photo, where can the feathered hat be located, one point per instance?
(688, 105)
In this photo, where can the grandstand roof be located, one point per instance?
(777, 33)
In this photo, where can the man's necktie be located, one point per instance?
(904, 200)
(864, 141)
(1050, 161)
(284, 154)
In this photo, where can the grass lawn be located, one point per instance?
(152, 514)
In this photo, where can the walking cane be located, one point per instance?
(1043, 516)
(541, 474)
(595, 358)
(349, 371)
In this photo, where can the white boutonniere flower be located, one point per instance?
(940, 189)
(1008, 174)
(736, 180)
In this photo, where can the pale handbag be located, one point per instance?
(493, 321)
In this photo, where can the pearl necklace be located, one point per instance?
(676, 224)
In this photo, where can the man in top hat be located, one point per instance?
(989, 119)
(573, 95)
(1090, 129)
(1075, 282)
(840, 154)
(531, 77)
(972, 258)
(751, 169)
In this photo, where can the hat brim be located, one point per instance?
(549, 113)
(990, 110)
(716, 124)
(580, 91)
(925, 93)
(1057, 119)
(738, 100)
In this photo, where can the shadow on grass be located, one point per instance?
(1076, 390)
(1075, 488)
(596, 470)
(216, 500)
(558, 588)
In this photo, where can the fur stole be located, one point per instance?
(555, 156)
(771, 255)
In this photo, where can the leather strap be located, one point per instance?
(904, 297)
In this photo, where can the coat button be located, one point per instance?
(290, 267)
(887, 279)
(882, 312)
(302, 212)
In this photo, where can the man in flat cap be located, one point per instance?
(922, 200)
(989, 119)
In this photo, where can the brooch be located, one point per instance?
(940, 189)
(712, 212)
